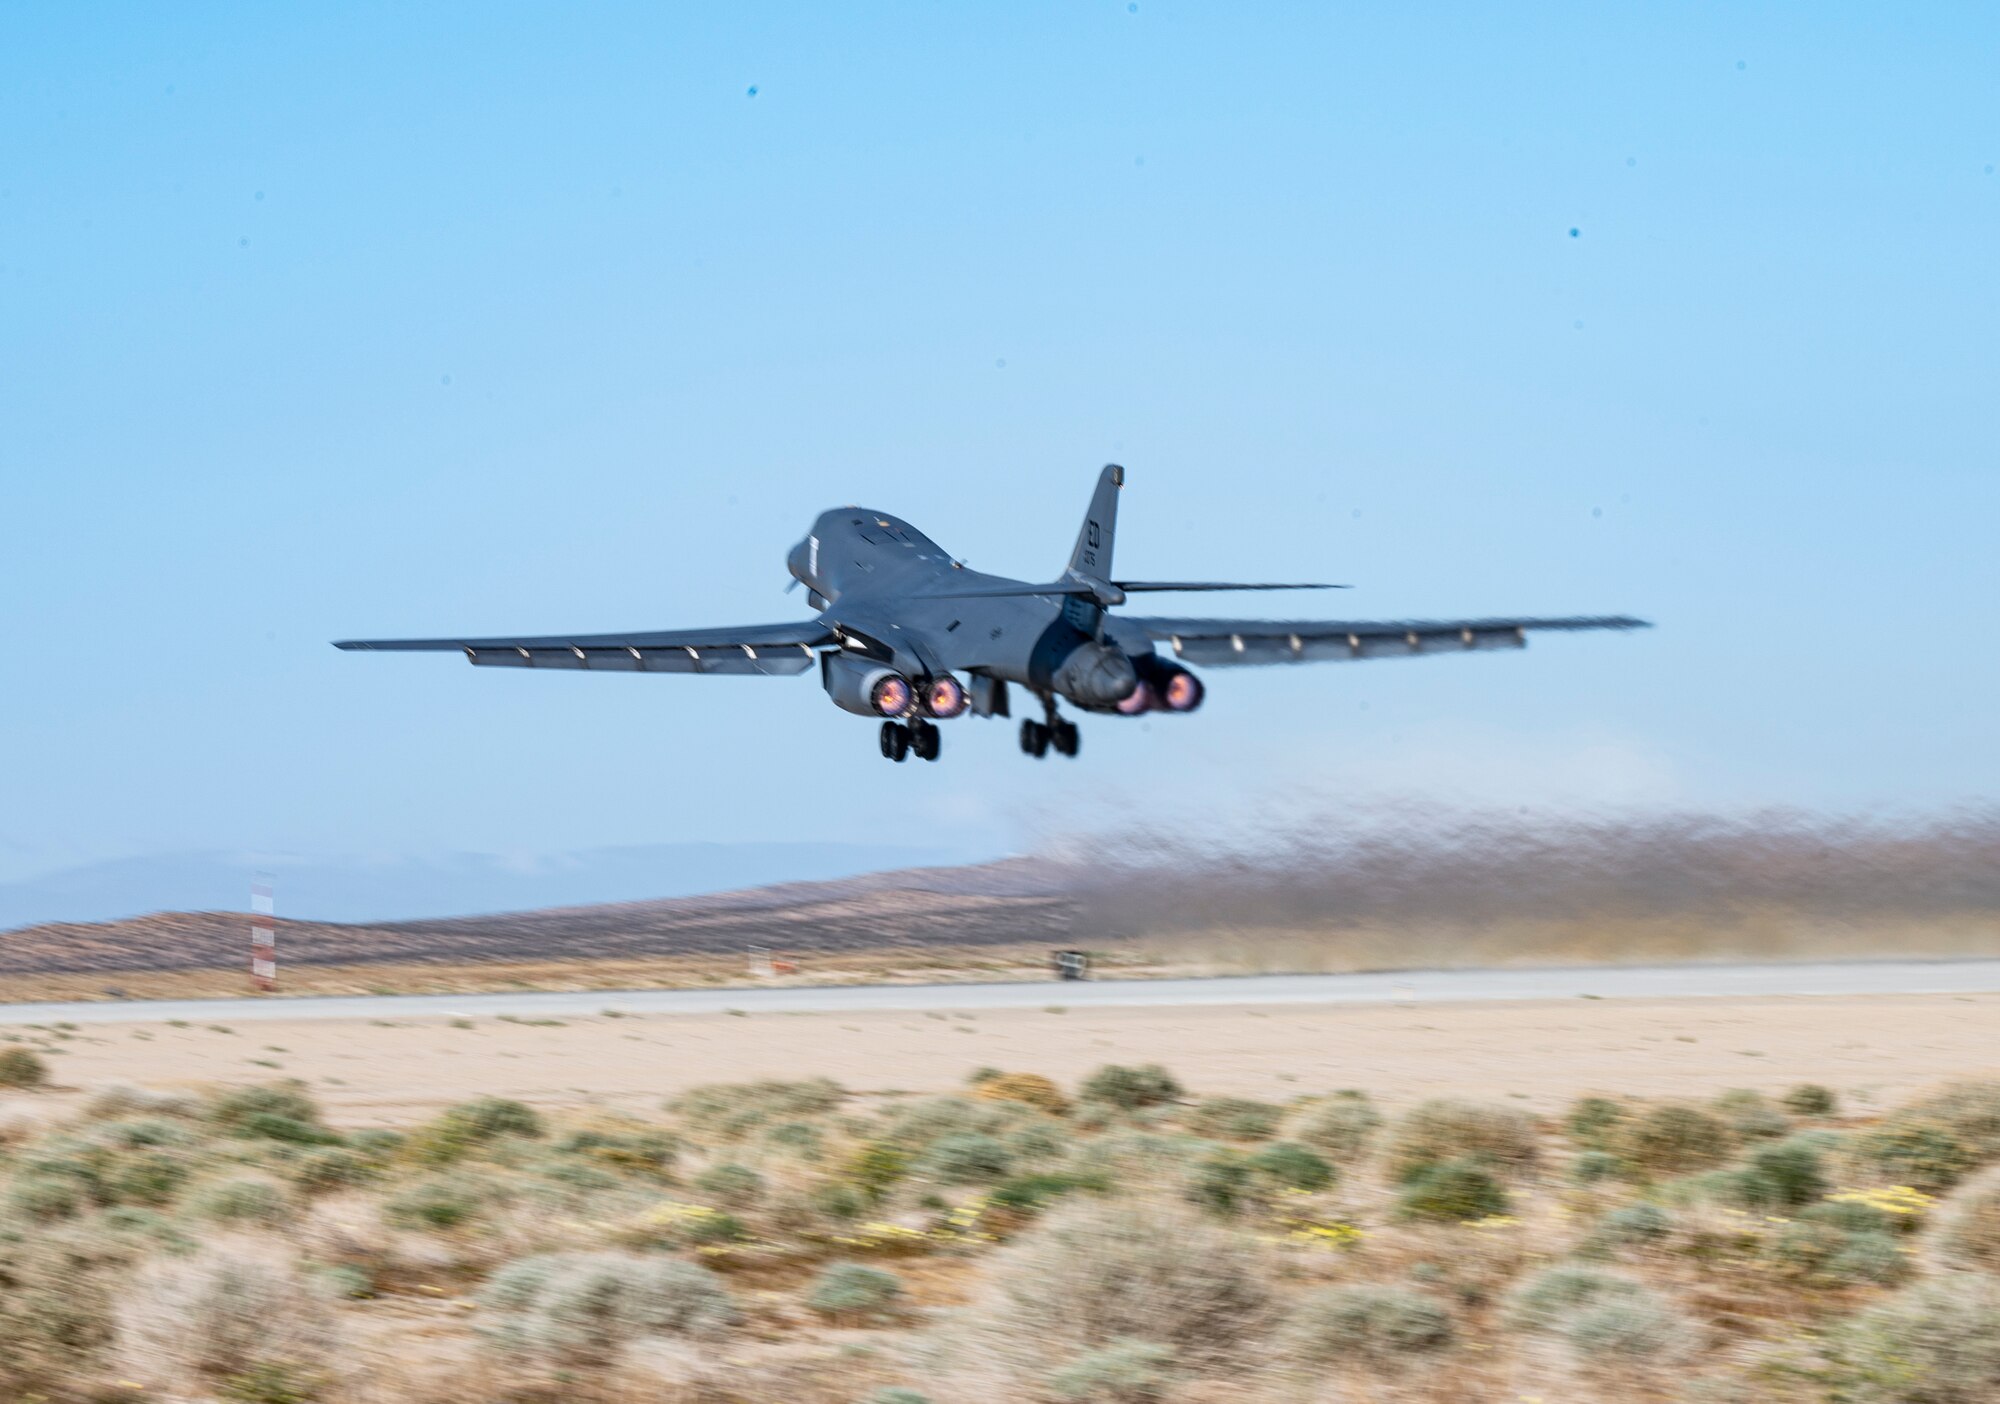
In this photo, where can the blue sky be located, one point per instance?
(326, 321)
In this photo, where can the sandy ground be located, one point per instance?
(1873, 1049)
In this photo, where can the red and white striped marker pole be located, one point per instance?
(263, 938)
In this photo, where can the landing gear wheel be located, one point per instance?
(1034, 738)
(895, 740)
(925, 740)
(1063, 735)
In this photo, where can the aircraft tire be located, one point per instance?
(1034, 738)
(925, 740)
(895, 740)
(1066, 737)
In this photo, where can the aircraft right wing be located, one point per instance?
(772, 649)
(1245, 641)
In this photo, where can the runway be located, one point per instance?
(1413, 987)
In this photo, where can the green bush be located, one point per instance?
(1921, 1152)
(1375, 1324)
(1290, 1165)
(732, 1110)
(1451, 1190)
(580, 1310)
(1591, 1120)
(642, 1149)
(55, 1310)
(852, 1290)
(22, 1067)
(838, 1201)
(1439, 1130)
(148, 1132)
(146, 1177)
(1129, 1089)
(1811, 1099)
(1124, 1372)
(469, 1126)
(1750, 1116)
(1969, 1231)
(236, 1105)
(1342, 1127)
(242, 1199)
(220, 1323)
(734, 1185)
(964, 1158)
(800, 1137)
(1221, 1183)
(332, 1167)
(1671, 1138)
(1025, 1193)
(439, 1202)
(1778, 1177)
(1555, 1295)
(1631, 1328)
(1827, 1254)
(274, 1126)
(875, 1167)
(1934, 1342)
(1234, 1119)
(1593, 1167)
(44, 1196)
(1630, 1226)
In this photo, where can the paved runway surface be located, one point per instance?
(1410, 987)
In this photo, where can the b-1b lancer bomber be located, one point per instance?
(910, 637)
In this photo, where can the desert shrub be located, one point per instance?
(1031, 1089)
(964, 1158)
(732, 1110)
(1221, 1182)
(1440, 1130)
(123, 1100)
(1025, 1193)
(1855, 1218)
(145, 1177)
(874, 1167)
(1451, 1190)
(1971, 1109)
(236, 1105)
(642, 1149)
(1341, 1127)
(1827, 1254)
(1633, 1328)
(837, 1200)
(332, 1167)
(1039, 1140)
(241, 1199)
(1554, 1295)
(1373, 1323)
(144, 1133)
(734, 1185)
(1590, 1120)
(459, 1131)
(1594, 1166)
(1290, 1165)
(1921, 1152)
(715, 1228)
(1129, 1089)
(1630, 1226)
(1787, 1175)
(1234, 1119)
(45, 1196)
(22, 1067)
(1969, 1231)
(918, 1124)
(579, 1310)
(1124, 1372)
(1671, 1138)
(1810, 1099)
(800, 1137)
(852, 1290)
(289, 1130)
(55, 1311)
(437, 1202)
(1935, 1342)
(1094, 1273)
(1750, 1115)
(215, 1321)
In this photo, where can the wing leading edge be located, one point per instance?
(1222, 642)
(753, 649)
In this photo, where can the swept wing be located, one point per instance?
(1222, 642)
(774, 649)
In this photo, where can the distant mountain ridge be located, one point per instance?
(1013, 900)
(364, 890)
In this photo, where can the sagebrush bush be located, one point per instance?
(1234, 1119)
(580, 1310)
(1289, 1165)
(460, 1130)
(206, 1322)
(332, 1167)
(238, 1104)
(1671, 1138)
(1451, 1190)
(22, 1067)
(1342, 1127)
(1934, 1342)
(1629, 1226)
(1372, 1323)
(1555, 1295)
(1092, 1274)
(732, 1110)
(1443, 1129)
(439, 1202)
(1969, 1230)
(1129, 1089)
(854, 1290)
(1750, 1115)
(1629, 1328)
(1811, 1099)
(1787, 1175)
(1590, 1120)
(55, 1309)
(1921, 1152)
(1124, 1372)
(1591, 1167)
(1031, 1089)
(645, 1150)
(964, 1158)
(1221, 1182)
(735, 1185)
(242, 1199)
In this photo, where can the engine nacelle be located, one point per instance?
(944, 697)
(1097, 675)
(865, 687)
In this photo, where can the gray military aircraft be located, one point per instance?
(900, 621)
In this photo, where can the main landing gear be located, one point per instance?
(918, 735)
(1037, 737)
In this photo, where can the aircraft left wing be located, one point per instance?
(772, 649)
(1221, 642)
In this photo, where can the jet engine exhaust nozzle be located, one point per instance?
(892, 696)
(1182, 691)
(944, 697)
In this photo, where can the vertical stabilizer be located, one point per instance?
(1092, 556)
